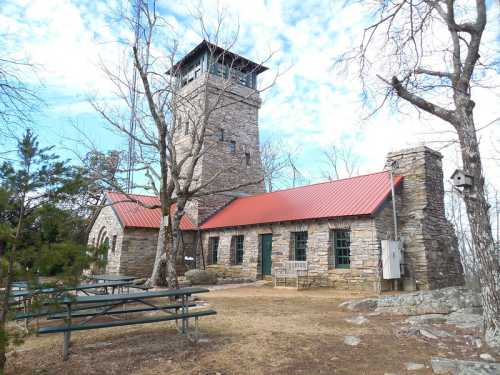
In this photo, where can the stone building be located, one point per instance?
(337, 226)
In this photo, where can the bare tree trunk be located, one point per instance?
(477, 211)
(160, 251)
(170, 260)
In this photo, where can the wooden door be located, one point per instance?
(266, 246)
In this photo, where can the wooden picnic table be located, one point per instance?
(116, 304)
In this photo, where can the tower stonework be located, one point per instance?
(223, 86)
(431, 254)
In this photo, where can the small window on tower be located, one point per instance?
(247, 158)
(186, 128)
(232, 147)
(221, 135)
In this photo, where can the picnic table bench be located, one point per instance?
(23, 298)
(292, 269)
(110, 305)
(118, 278)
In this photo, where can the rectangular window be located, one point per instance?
(186, 128)
(232, 147)
(237, 249)
(113, 244)
(340, 249)
(247, 158)
(299, 246)
(213, 248)
(221, 135)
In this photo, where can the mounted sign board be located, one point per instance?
(391, 259)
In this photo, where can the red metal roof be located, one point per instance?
(361, 195)
(134, 215)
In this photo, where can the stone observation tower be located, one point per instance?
(220, 85)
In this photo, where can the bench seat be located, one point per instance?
(95, 312)
(118, 323)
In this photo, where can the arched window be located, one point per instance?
(105, 242)
(100, 236)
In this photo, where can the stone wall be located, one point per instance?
(431, 254)
(135, 248)
(138, 252)
(107, 225)
(365, 248)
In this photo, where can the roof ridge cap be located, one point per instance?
(314, 184)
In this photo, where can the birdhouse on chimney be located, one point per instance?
(461, 179)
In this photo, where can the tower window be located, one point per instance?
(221, 135)
(232, 147)
(247, 158)
(186, 128)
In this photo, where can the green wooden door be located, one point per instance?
(266, 246)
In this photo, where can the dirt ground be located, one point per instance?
(258, 330)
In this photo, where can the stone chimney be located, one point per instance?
(431, 254)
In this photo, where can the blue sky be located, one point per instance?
(311, 106)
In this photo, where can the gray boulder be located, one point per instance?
(458, 367)
(441, 301)
(201, 277)
(352, 340)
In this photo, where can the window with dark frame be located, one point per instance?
(213, 249)
(186, 128)
(299, 248)
(339, 255)
(247, 159)
(237, 249)
(221, 135)
(232, 147)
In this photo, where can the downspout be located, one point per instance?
(393, 195)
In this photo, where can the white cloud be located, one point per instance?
(310, 104)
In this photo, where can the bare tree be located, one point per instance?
(341, 162)
(293, 175)
(274, 162)
(18, 99)
(436, 75)
(174, 119)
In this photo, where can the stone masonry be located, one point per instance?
(431, 254)
(107, 225)
(134, 250)
(236, 121)
(363, 273)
